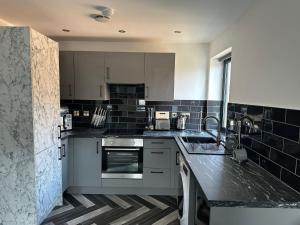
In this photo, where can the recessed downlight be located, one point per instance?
(177, 31)
(66, 30)
(122, 31)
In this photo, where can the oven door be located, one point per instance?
(122, 162)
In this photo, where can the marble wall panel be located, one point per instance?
(48, 181)
(45, 90)
(17, 177)
(46, 114)
(30, 172)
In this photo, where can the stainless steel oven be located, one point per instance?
(122, 158)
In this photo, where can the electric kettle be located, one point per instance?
(181, 121)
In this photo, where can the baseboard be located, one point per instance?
(123, 191)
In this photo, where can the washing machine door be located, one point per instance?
(202, 211)
(184, 204)
(180, 199)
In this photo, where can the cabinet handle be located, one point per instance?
(70, 90)
(177, 158)
(107, 73)
(160, 153)
(157, 143)
(160, 172)
(100, 90)
(97, 148)
(147, 92)
(63, 150)
(59, 153)
(59, 131)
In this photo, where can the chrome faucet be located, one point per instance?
(250, 122)
(218, 138)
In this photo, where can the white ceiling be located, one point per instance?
(199, 20)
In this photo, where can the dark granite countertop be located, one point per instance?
(100, 133)
(225, 183)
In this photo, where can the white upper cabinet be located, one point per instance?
(125, 68)
(159, 76)
(66, 68)
(90, 76)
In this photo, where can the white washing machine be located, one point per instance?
(202, 211)
(186, 200)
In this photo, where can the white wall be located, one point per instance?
(265, 52)
(215, 80)
(191, 66)
(4, 23)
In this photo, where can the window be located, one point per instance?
(226, 86)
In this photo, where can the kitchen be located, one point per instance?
(149, 112)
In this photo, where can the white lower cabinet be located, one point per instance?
(87, 162)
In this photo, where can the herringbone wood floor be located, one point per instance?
(114, 210)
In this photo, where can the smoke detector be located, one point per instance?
(104, 15)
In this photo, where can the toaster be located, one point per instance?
(162, 120)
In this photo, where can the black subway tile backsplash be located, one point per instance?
(272, 140)
(184, 108)
(254, 110)
(246, 141)
(261, 148)
(286, 131)
(293, 117)
(270, 166)
(292, 148)
(128, 109)
(291, 179)
(278, 150)
(253, 155)
(284, 160)
(267, 125)
(275, 114)
(197, 109)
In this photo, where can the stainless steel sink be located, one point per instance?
(198, 140)
(203, 145)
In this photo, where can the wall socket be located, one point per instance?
(86, 113)
(76, 113)
(174, 115)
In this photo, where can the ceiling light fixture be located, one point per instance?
(122, 31)
(66, 30)
(177, 31)
(104, 15)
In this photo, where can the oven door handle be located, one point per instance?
(121, 149)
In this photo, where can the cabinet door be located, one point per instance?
(125, 68)
(157, 158)
(159, 76)
(65, 164)
(156, 178)
(66, 68)
(87, 162)
(89, 76)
